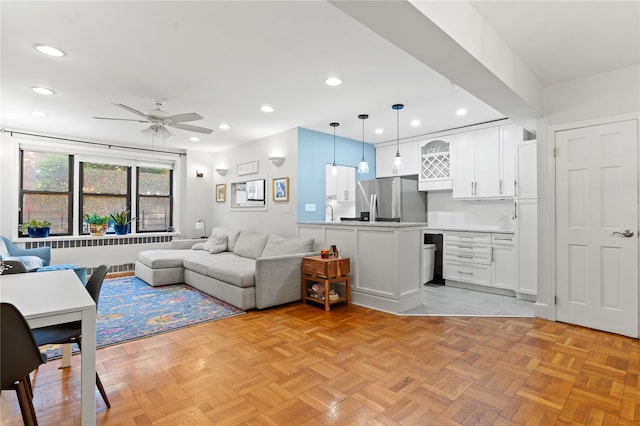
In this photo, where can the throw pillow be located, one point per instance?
(250, 244)
(216, 244)
(198, 246)
(231, 234)
(277, 246)
(4, 252)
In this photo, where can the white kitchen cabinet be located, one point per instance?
(463, 160)
(526, 219)
(385, 156)
(503, 261)
(435, 164)
(467, 257)
(483, 162)
(345, 183)
(525, 169)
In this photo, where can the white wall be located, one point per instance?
(197, 193)
(279, 218)
(443, 210)
(597, 97)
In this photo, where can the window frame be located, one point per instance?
(70, 192)
(81, 192)
(139, 196)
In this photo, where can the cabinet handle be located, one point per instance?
(465, 273)
(515, 209)
(466, 247)
(465, 257)
(500, 187)
(515, 188)
(472, 188)
(492, 258)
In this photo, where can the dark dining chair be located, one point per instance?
(12, 267)
(72, 332)
(20, 355)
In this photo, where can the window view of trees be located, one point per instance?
(105, 189)
(46, 189)
(154, 199)
(46, 192)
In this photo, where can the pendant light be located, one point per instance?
(397, 161)
(334, 167)
(363, 167)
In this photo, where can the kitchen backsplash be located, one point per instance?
(443, 210)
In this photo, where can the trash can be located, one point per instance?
(428, 262)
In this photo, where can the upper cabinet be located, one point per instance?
(483, 162)
(342, 186)
(385, 156)
(435, 164)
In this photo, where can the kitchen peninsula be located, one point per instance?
(386, 260)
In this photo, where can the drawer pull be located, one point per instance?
(465, 247)
(465, 273)
(503, 239)
(465, 257)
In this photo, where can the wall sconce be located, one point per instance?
(276, 161)
(221, 172)
(201, 224)
(199, 173)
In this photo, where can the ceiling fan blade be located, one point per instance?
(121, 119)
(134, 111)
(190, 128)
(181, 118)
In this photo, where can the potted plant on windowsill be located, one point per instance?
(121, 222)
(36, 228)
(97, 224)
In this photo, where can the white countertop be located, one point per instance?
(470, 228)
(353, 223)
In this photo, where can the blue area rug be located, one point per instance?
(130, 309)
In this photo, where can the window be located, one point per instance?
(105, 189)
(155, 199)
(46, 189)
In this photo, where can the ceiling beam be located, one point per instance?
(453, 39)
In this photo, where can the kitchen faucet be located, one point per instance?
(331, 207)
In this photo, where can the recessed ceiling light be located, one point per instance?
(43, 90)
(379, 131)
(224, 126)
(266, 108)
(333, 81)
(461, 111)
(39, 114)
(194, 139)
(48, 50)
(415, 123)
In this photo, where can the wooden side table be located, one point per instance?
(326, 272)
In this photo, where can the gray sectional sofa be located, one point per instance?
(244, 268)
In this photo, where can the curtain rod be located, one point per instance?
(108, 145)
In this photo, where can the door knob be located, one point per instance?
(627, 233)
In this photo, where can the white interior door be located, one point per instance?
(596, 205)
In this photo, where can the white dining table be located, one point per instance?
(56, 297)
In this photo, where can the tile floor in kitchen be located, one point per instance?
(451, 301)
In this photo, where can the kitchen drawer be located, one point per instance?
(468, 273)
(507, 239)
(470, 257)
(467, 237)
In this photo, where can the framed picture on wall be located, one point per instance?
(221, 192)
(280, 189)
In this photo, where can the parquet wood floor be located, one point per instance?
(298, 365)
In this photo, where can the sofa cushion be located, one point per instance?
(277, 246)
(227, 267)
(167, 258)
(216, 244)
(232, 236)
(250, 244)
(198, 246)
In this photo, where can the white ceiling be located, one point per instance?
(224, 60)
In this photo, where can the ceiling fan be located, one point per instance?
(159, 119)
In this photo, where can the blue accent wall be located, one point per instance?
(315, 151)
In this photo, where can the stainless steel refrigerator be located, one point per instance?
(394, 198)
